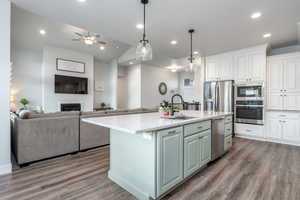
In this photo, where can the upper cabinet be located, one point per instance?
(284, 82)
(219, 67)
(243, 66)
(250, 66)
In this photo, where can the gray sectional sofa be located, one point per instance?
(43, 136)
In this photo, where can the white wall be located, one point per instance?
(192, 93)
(114, 83)
(52, 101)
(103, 74)
(151, 78)
(5, 10)
(134, 87)
(26, 76)
(122, 87)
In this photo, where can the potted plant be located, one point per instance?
(103, 105)
(24, 102)
(166, 110)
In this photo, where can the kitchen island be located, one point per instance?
(150, 155)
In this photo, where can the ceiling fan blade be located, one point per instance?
(101, 42)
(79, 34)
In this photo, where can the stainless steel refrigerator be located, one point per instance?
(219, 97)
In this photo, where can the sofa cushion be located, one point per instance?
(33, 115)
(24, 114)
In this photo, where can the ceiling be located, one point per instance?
(221, 25)
(25, 34)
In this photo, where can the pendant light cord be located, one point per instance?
(144, 34)
(191, 47)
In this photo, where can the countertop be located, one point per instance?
(148, 122)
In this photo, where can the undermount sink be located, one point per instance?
(179, 117)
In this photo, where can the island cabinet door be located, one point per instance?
(169, 159)
(192, 154)
(205, 143)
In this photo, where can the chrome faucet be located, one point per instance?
(172, 111)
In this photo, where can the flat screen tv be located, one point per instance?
(71, 85)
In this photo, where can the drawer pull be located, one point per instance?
(248, 130)
(200, 127)
(228, 129)
(282, 115)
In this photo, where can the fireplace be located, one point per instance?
(70, 107)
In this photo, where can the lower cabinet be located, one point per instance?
(283, 127)
(206, 148)
(192, 154)
(197, 151)
(249, 130)
(169, 159)
(180, 152)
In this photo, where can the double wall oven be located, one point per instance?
(249, 104)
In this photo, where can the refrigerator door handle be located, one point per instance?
(217, 96)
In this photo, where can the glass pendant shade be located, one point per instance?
(144, 51)
(191, 66)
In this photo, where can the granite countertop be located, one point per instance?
(148, 122)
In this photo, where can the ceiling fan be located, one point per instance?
(89, 39)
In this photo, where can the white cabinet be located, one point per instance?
(283, 127)
(284, 82)
(290, 130)
(226, 67)
(257, 66)
(211, 70)
(275, 101)
(274, 129)
(170, 158)
(250, 66)
(246, 65)
(219, 67)
(291, 75)
(241, 67)
(249, 130)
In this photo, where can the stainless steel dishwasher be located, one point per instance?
(217, 138)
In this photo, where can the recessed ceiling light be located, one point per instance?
(81, 1)
(196, 52)
(267, 35)
(139, 26)
(256, 15)
(130, 63)
(173, 42)
(117, 47)
(42, 32)
(102, 48)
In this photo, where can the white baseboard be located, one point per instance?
(268, 140)
(5, 169)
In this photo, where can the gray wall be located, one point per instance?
(103, 74)
(5, 163)
(26, 76)
(151, 78)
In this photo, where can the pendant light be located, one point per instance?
(191, 58)
(144, 49)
